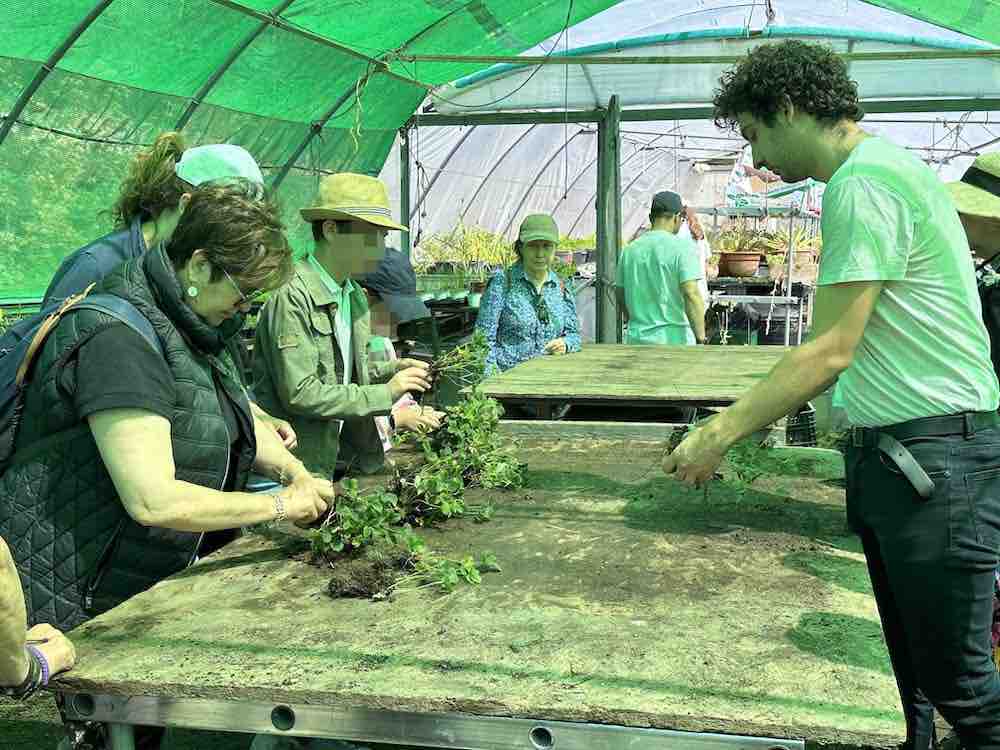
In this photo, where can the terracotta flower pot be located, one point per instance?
(740, 265)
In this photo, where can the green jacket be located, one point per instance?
(299, 373)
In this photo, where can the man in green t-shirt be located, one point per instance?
(657, 281)
(897, 320)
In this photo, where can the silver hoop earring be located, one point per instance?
(192, 291)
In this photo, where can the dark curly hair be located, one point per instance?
(811, 76)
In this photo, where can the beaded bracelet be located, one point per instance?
(279, 507)
(42, 662)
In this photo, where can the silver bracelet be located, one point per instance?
(279, 507)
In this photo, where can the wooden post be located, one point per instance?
(404, 188)
(609, 223)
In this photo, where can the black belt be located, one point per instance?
(887, 440)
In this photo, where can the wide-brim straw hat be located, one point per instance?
(978, 192)
(350, 197)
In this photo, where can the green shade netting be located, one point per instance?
(978, 18)
(134, 71)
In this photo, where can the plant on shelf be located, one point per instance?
(471, 250)
(740, 247)
(564, 270)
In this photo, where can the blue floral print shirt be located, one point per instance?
(513, 319)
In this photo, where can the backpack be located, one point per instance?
(21, 343)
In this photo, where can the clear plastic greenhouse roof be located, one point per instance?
(314, 86)
(589, 86)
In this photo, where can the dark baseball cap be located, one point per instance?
(395, 281)
(666, 202)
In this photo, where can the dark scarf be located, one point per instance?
(170, 299)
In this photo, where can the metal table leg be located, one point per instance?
(121, 737)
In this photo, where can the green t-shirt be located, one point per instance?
(651, 270)
(925, 351)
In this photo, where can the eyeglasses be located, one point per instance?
(245, 299)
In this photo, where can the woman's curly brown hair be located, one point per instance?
(151, 184)
(810, 76)
(239, 234)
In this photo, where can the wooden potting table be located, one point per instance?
(631, 612)
(635, 376)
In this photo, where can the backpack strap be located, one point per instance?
(124, 312)
(43, 332)
(118, 308)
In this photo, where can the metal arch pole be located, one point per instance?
(439, 172)
(609, 321)
(641, 173)
(48, 66)
(213, 79)
(591, 163)
(496, 165)
(538, 176)
(572, 185)
(404, 188)
(315, 128)
(594, 196)
(381, 65)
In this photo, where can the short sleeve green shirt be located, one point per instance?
(651, 270)
(925, 351)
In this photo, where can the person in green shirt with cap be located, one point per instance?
(311, 362)
(657, 284)
(897, 319)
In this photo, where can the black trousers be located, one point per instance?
(932, 566)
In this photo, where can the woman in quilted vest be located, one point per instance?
(150, 202)
(132, 459)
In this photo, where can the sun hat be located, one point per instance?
(538, 227)
(352, 197)
(218, 161)
(978, 192)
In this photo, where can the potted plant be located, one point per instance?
(740, 250)
(807, 249)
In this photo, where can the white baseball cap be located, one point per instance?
(217, 162)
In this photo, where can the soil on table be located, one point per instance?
(625, 598)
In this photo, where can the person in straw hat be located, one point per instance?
(311, 365)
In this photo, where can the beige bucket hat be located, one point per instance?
(352, 197)
(978, 192)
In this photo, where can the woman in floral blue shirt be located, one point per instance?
(527, 311)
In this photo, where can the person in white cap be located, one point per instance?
(311, 362)
(151, 199)
(150, 202)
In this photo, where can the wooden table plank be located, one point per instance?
(625, 598)
(707, 375)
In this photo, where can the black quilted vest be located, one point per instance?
(78, 552)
